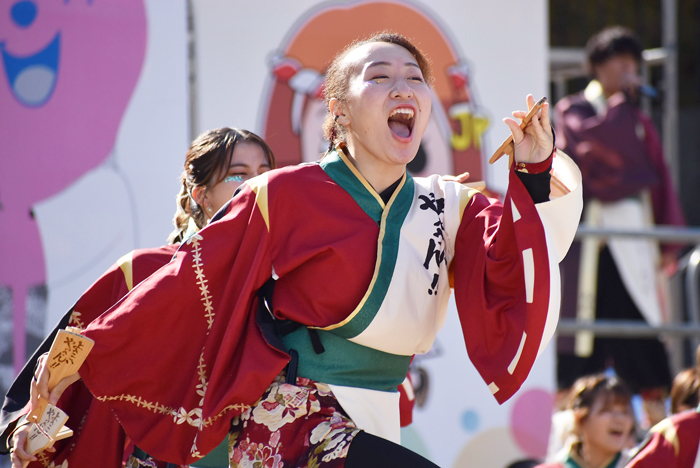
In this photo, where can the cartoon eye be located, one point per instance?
(23, 13)
(234, 178)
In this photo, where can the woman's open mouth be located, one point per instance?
(32, 79)
(401, 122)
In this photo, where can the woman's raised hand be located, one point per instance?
(535, 143)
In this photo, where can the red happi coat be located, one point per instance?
(193, 356)
(672, 443)
(97, 434)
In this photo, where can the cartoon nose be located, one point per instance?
(23, 13)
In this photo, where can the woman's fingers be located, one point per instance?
(20, 458)
(41, 377)
(61, 387)
(462, 178)
(519, 115)
(514, 126)
(530, 101)
(544, 118)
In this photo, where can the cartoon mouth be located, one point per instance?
(33, 78)
(401, 122)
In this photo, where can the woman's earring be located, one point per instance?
(209, 208)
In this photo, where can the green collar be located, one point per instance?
(390, 219)
(344, 173)
(574, 461)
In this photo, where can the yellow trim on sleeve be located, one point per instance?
(362, 179)
(259, 187)
(377, 264)
(668, 432)
(465, 195)
(126, 265)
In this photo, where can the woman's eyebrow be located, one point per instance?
(384, 64)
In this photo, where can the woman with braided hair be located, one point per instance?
(216, 164)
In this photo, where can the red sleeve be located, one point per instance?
(112, 285)
(502, 287)
(157, 367)
(672, 443)
(657, 452)
(407, 401)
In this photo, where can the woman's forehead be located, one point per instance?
(371, 52)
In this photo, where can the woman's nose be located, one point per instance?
(402, 90)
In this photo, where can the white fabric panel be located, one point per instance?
(375, 412)
(560, 217)
(409, 318)
(636, 259)
(563, 212)
(516, 359)
(529, 274)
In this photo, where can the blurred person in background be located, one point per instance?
(603, 423)
(673, 442)
(626, 185)
(684, 391)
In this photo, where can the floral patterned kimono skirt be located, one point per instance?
(269, 433)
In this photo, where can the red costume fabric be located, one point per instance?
(97, 433)
(672, 443)
(194, 356)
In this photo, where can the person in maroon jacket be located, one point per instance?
(626, 184)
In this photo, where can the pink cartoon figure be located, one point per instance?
(68, 69)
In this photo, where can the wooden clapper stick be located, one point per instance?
(67, 354)
(508, 146)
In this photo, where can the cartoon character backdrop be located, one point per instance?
(484, 69)
(92, 109)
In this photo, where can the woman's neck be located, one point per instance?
(594, 458)
(379, 174)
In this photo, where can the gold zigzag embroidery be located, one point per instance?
(43, 459)
(202, 281)
(181, 416)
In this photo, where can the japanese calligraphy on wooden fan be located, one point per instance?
(67, 354)
(48, 430)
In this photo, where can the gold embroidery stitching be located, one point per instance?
(75, 320)
(201, 279)
(192, 417)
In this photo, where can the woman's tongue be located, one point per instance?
(399, 129)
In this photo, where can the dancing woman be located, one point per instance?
(297, 310)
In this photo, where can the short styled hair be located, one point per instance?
(613, 41)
